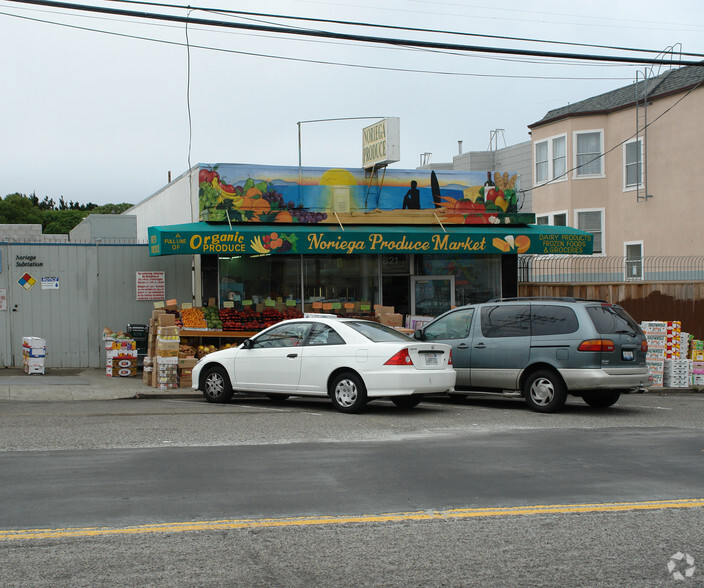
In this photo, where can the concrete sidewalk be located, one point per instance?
(79, 384)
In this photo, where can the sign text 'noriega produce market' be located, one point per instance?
(353, 242)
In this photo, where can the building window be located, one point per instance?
(634, 260)
(557, 219)
(592, 221)
(588, 153)
(550, 159)
(541, 162)
(633, 164)
(559, 157)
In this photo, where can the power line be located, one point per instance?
(312, 61)
(359, 38)
(400, 28)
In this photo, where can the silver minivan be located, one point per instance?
(544, 349)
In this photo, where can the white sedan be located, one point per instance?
(352, 361)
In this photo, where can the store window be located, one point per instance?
(588, 153)
(257, 278)
(341, 278)
(477, 278)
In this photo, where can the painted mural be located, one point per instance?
(238, 193)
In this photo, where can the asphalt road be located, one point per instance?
(480, 492)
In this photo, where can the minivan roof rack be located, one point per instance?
(556, 298)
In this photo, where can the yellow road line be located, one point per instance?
(422, 515)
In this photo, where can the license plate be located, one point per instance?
(627, 355)
(431, 359)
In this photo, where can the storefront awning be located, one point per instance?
(307, 239)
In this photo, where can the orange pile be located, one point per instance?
(193, 318)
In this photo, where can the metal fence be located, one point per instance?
(580, 269)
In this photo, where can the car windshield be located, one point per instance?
(611, 320)
(377, 332)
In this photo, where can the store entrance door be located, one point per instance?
(432, 295)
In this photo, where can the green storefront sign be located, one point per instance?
(204, 238)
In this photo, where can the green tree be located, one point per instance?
(111, 208)
(19, 209)
(62, 221)
(55, 219)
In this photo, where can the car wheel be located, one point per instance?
(216, 385)
(544, 391)
(601, 399)
(348, 393)
(406, 401)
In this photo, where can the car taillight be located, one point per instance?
(644, 346)
(400, 358)
(449, 359)
(596, 345)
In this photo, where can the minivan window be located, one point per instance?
(451, 326)
(510, 320)
(609, 319)
(548, 319)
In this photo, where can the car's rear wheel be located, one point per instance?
(216, 385)
(348, 393)
(406, 401)
(544, 391)
(601, 399)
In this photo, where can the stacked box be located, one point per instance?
(676, 373)
(120, 357)
(674, 342)
(147, 369)
(33, 355)
(666, 341)
(697, 372)
(165, 376)
(185, 369)
(656, 335)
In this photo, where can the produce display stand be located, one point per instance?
(194, 333)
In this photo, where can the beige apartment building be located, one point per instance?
(627, 166)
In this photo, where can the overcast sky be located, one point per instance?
(97, 117)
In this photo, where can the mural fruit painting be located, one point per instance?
(521, 243)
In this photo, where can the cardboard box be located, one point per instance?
(167, 331)
(166, 320)
(185, 383)
(391, 320)
(379, 309)
(156, 313)
(187, 362)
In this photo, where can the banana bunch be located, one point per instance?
(503, 182)
(258, 246)
(225, 195)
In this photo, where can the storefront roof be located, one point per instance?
(309, 239)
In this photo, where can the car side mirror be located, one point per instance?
(418, 334)
(247, 344)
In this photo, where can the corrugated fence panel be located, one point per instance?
(44, 310)
(96, 289)
(117, 290)
(5, 322)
